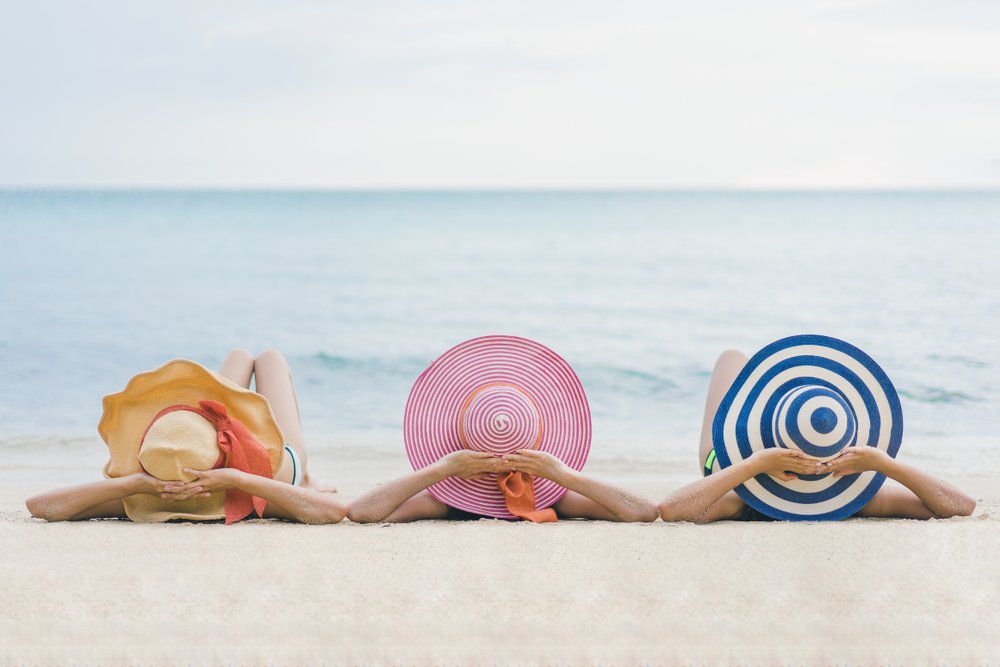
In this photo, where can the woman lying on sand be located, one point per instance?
(782, 483)
(406, 499)
(498, 426)
(186, 447)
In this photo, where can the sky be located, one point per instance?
(798, 94)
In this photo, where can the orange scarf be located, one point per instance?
(243, 452)
(519, 493)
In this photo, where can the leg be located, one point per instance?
(274, 382)
(238, 367)
(727, 367)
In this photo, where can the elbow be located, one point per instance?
(336, 515)
(360, 515)
(965, 506)
(668, 511)
(40, 509)
(961, 506)
(644, 514)
(325, 513)
(671, 512)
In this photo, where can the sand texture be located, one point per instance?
(490, 592)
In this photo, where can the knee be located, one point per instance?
(240, 354)
(270, 359)
(731, 357)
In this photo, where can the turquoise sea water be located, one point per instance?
(638, 291)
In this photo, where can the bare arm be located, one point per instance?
(284, 501)
(923, 496)
(380, 503)
(95, 500)
(712, 498)
(591, 499)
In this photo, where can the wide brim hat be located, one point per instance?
(819, 395)
(129, 413)
(496, 394)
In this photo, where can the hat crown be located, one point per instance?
(500, 418)
(814, 419)
(177, 440)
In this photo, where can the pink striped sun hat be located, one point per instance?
(496, 394)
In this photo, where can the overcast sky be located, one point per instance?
(763, 94)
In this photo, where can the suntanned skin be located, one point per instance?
(917, 495)
(306, 503)
(406, 498)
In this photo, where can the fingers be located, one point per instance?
(786, 476)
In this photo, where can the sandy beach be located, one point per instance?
(878, 592)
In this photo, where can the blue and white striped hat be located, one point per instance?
(819, 395)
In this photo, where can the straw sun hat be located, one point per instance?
(184, 415)
(496, 394)
(818, 395)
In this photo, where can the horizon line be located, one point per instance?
(4, 188)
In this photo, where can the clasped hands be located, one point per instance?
(788, 464)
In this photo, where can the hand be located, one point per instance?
(203, 484)
(468, 464)
(534, 462)
(144, 483)
(857, 459)
(783, 463)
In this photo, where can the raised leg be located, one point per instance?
(238, 367)
(274, 382)
(727, 367)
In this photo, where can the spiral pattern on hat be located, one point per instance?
(500, 418)
(817, 394)
(499, 394)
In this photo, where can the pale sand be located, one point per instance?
(490, 592)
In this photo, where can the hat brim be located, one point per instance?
(434, 407)
(128, 413)
(742, 424)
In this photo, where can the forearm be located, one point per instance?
(295, 502)
(70, 502)
(940, 497)
(379, 503)
(694, 501)
(624, 505)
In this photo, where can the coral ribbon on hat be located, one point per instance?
(519, 493)
(242, 452)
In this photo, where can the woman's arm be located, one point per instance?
(593, 499)
(377, 505)
(925, 496)
(285, 501)
(97, 499)
(711, 498)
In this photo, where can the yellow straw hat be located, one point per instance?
(177, 416)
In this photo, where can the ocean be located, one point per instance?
(638, 291)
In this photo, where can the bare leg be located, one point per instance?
(238, 367)
(727, 367)
(274, 382)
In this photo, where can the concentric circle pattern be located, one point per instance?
(819, 395)
(500, 418)
(815, 420)
(496, 394)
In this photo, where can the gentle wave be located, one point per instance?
(937, 395)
